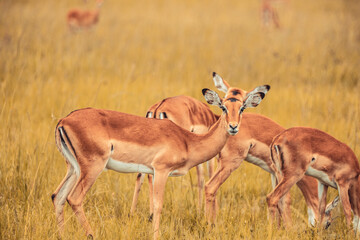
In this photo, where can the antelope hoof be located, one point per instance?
(151, 217)
(210, 224)
(327, 224)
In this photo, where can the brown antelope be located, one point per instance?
(269, 14)
(303, 151)
(190, 114)
(83, 19)
(252, 145)
(92, 140)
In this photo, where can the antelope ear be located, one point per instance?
(254, 97)
(220, 84)
(212, 97)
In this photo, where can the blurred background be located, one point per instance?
(140, 52)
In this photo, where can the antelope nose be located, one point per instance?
(233, 126)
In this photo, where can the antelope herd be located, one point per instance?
(92, 140)
(180, 133)
(79, 19)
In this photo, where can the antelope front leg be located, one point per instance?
(211, 167)
(151, 197)
(212, 186)
(160, 178)
(322, 192)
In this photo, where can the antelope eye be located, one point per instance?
(241, 110)
(223, 108)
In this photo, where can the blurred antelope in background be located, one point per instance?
(78, 19)
(269, 13)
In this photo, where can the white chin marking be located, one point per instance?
(232, 133)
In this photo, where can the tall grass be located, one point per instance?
(143, 51)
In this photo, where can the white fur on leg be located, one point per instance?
(311, 217)
(356, 224)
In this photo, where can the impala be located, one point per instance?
(269, 14)
(78, 19)
(303, 151)
(92, 140)
(252, 145)
(190, 114)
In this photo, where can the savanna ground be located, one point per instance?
(142, 51)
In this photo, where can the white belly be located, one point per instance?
(321, 176)
(123, 167)
(128, 167)
(258, 162)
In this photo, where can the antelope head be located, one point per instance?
(235, 101)
(328, 219)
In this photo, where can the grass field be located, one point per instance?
(142, 51)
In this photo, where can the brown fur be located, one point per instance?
(269, 14)
(301, 148)
(98, 135)
(190, 114)
(254, 138)
(185, 111)
(78, 19)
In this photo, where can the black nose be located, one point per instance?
(233, 127)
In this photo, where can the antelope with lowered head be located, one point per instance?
(301, 151)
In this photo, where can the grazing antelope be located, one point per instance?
(190, 114)
(252, 145)
(95, 139)
(81, 19)
(303, 151)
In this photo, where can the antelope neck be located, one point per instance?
(203, 147)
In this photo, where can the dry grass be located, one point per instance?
(142, 51)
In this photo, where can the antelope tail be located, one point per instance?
(65, 146)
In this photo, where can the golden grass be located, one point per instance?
(143, 51)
